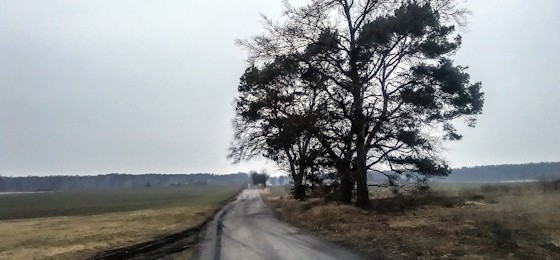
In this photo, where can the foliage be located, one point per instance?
(345, 87)
(259, 178)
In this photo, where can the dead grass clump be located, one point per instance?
(503, 237)
(311, 203)
(401, 203)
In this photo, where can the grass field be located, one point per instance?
(453, 221)
(75, 203)
(75, 225)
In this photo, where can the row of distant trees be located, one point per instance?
(340, 88)
(505, 172)
(116, 181)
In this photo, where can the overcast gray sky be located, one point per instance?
(91, 87)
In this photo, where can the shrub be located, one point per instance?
(550, 185)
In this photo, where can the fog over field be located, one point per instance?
(93, 87)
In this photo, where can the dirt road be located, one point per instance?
(246, 229)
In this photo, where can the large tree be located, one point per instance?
(392, 90)
(276, 112)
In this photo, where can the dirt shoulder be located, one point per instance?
(473, 223)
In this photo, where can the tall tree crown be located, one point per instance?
(368, 82)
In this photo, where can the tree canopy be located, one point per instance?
(259, 178)
(339, 88)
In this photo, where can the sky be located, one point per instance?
(94, 87)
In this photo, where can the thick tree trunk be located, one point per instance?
(297, 175)
(362, 193)
(346, 185)
(299, 188)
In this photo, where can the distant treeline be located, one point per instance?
(116, 181)
(489, 173)
(507, 172)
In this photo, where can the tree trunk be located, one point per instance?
(362, 192)
(299, 188)
(346, 186)
(358, 118)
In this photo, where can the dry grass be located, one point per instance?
(81, 236)
(520, 222)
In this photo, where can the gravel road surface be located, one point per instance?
(246, 229)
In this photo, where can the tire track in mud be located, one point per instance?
(156, 248)
(219, 232)
(165, 246)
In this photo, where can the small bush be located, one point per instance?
(490, 188)
(550, 185)
(477, 197)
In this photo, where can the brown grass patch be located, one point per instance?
(69, 228)
(520, 221)
(81, 236)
